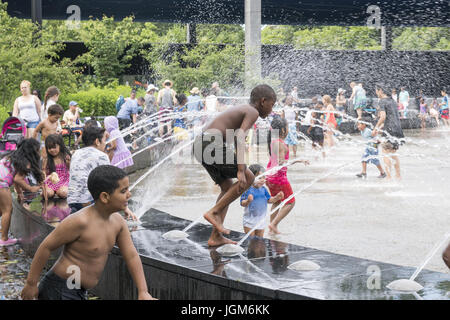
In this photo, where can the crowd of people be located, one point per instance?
(95, 185)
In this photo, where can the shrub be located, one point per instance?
(3, 114)
(96, 101)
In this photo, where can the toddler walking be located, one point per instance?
(255, 201)
(371, 151)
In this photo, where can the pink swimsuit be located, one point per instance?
(7, 173)
(63, 175)
(280, 176)
(278, 181)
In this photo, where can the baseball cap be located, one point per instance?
(73, 103)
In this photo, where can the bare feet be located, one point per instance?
(215, 221)
(218, 241)
(273, 229)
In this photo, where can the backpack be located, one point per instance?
(120, 101)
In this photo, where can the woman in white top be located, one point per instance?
(27, 107)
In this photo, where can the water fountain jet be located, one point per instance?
(409, 285)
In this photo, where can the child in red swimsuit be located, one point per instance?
(279, 155)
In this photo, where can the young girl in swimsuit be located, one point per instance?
(279, 155)
(330, 120)
(13, 170)
(57, 160)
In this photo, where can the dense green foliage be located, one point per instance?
(422, 39)
(22, 58)
(97, 101)
(112, 44)
(356, 38)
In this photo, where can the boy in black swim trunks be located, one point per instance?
(88, 237)
(221, 150)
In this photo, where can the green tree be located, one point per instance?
(338, 38)
(21, 58)
(421, 38)
(279, 34)
(199, 66)
(111, 46)
(220, 33)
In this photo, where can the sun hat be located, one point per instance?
(340, 90)
(151, 87)
(195, 90)
(167, 81)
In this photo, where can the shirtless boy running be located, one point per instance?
(224, 159)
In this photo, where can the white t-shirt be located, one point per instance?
(307, 120)
(294, 95)
(83, 162)
(289, 114)
(211, 103)
(27, 109)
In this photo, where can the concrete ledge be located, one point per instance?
(188, 269)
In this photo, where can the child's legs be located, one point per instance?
(274, 213)
(364, 167)
(229, 193)
(43, 153)
(258, 232)
(380, 168)
(50, 192)
(283, 212)
(5, 211)
(359, 112)
(30, 132)
(387, 163)
(224, 187)
(396, 164)
(62, 192)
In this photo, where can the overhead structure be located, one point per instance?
(382, 14)
(283, 12)
(252, 43)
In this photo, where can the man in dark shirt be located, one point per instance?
(389, 122)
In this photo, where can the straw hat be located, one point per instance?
(195, 90)
(167, 81)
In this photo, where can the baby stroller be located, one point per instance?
(14, 130)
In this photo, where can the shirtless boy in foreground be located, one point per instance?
(88, 237)
(214, 150)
